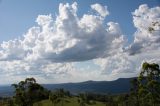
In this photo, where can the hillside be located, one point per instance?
(121, 85)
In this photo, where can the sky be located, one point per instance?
(59, 41)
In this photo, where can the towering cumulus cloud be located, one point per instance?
(147, 36)
(66, 39)
(51, 49)
(145, 47)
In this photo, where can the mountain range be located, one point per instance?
(121, 85)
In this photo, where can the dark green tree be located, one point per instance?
(59, 96)
(149, 80)
(28, 92)
(53, 98)
(134, 92)
(81, 100)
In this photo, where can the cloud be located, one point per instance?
(122, 65)
(100, 9)
(146, 46)
(115, 64)
(147, 37)
(68, 38)
(12, 50)
(48, 49)
(51, 49)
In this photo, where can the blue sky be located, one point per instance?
(113, 44)
(18, 16)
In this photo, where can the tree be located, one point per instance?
(27, 92)
(82, 100)
(54, 98)
(153, 28)
(149, 83)
(134, 91)
(59, 96)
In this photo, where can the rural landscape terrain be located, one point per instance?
(79, 53)
(132, 92)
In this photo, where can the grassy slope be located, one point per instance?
(72, 102)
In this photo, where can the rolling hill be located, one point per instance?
(121, 85)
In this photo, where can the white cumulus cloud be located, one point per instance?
(147, 22)
(102, 10)
(65, 39)
(50, 49)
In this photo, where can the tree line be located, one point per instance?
(144, 91)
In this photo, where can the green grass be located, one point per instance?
(71, 102)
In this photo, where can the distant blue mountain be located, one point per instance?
(6, 91)
(121, 85)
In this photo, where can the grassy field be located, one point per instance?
(70, 102)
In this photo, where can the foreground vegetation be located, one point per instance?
(72, 101)
(145, 91)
